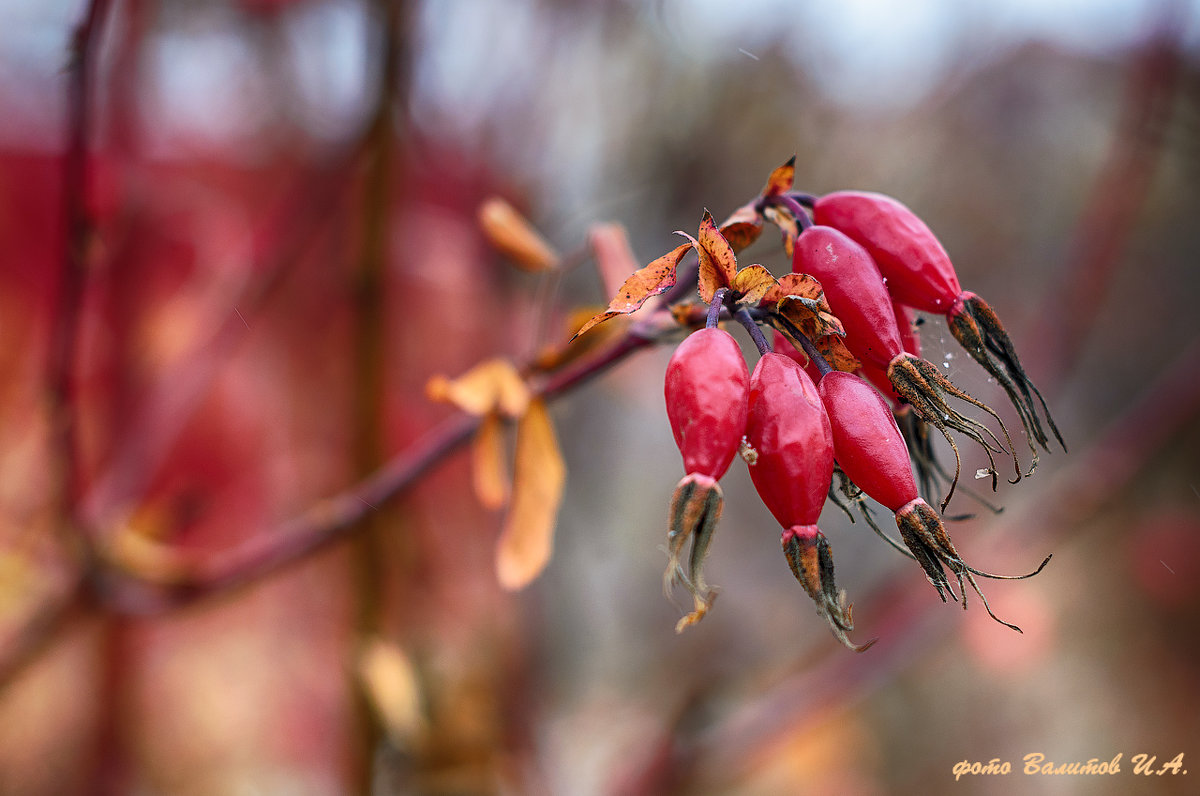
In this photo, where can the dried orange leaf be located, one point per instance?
(489, 464)
(657, 277)
(718, 264)
(781, 179)
(136, 549)
(742, 233)
(614, 256)
(390, 683)
(753, 282)
(527, 539)
(833, 348)
(788, 226)
(512, 235)
(494, 385)
(555, 355)
(798, 285)
(810, 316)
(746, 214)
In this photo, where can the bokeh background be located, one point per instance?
(280, 247)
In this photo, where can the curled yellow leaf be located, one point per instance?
(392, 687)
(513, 236)
(526, 542)
(489, 463)
(494, 385)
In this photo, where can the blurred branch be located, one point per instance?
(64, 336)
(339, 516)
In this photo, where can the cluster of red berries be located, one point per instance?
(795, 421)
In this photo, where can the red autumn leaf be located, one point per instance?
(657, 277)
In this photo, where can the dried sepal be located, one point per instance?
(978, 329)
(512, 235)
(926, 390)
(490, 386)
(930, 473)
(924, 534)
(694, 512)
(845, 494)
(811, 561)
(525, 544)
(645, 283)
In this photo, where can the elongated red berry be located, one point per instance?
(855, 291)
(912, 260)
(918, 273)
(707, 389)
(789, 434)
(866, 440)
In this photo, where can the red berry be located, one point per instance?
(789, 433)
(866, 440)
(707, 387)
(855, 292)
(917, 269)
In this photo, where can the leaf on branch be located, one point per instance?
(527, 539)
(657, 277)
(512, 235)
(718, 263)
(489, 463)
(833, 348)
(753, 282)
(393, 690)
(614, 256)
(798, 285)
(491, 386)
(742, 233)
(810, 316)
(555, 355)
(781, 179)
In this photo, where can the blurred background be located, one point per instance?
(272, 245)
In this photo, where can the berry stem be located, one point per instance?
(797, 209)
(760, 341)
(714, 309)
(806, 345)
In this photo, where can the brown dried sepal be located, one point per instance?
(695, 510)
(512, 235)
(925, 389)
(645, 283)
(811, 561)
(923, 533)
(978, 329)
